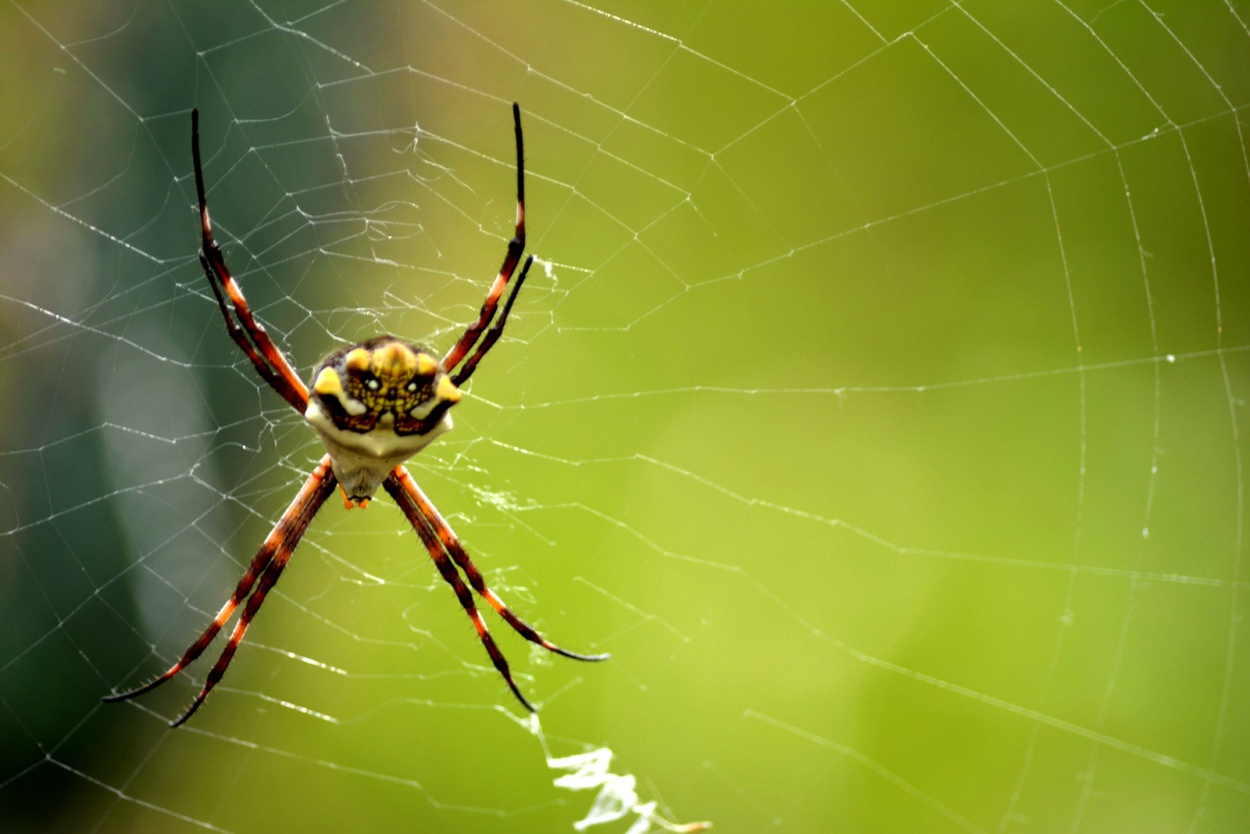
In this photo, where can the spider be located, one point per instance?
(374, 404)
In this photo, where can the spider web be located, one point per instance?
(876, 400)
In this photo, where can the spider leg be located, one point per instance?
(414, 503)
(259, 563)
(246, 332)
(496, 330)
(448, 572)
(267, 565)
(513, 257)
(451, 543)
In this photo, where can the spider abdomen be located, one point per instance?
(376, 404)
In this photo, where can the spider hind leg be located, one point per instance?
(262, 573)
(447, 553)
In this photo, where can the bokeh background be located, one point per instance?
(878, 401)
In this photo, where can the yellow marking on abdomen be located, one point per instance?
(426, 365)
(394, 360)
(330, 384)
(357, 360)
(447, 390)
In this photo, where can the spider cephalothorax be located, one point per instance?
(374, 404)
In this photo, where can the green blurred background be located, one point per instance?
(878, 401)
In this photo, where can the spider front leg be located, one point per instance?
(266, 566)
(243, 328)
(444, 548)
(516, 247)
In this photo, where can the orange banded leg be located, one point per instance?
(267, 565)
(449, 542)
(513, 257)
(496, 330)
(265, 356)
(448, 572)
